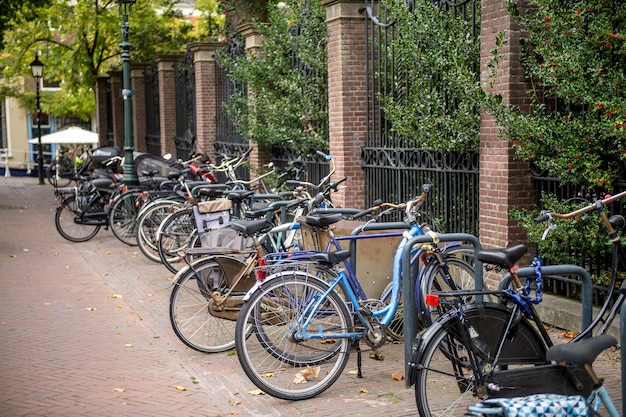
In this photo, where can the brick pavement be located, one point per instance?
(84, 331)
(68, 347)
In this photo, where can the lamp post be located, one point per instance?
(36, 68)
(130, 176)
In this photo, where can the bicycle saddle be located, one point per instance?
(506, 257)
(582, 352)
(323, 221)
(250, 227)
(331, 258)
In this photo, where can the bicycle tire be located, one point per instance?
(173, 238)
(442, 391)
(148, 224)
(123, 217)
(269, 309)
(68, 228)
(192, 317)
(62, 180)
(285, 368)
(434, 278)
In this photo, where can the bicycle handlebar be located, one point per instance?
(597, 205)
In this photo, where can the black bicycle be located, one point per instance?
(488, 350)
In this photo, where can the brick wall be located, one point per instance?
(505, 181)
(346, 92)
(139, 107)
(167, 102)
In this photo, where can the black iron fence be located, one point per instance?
(153, 117)
(185, 106)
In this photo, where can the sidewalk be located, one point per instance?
(84, 331)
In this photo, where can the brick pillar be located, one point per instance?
(206, 105)
(505, 181)
(167, 102)
(102, 116)
(139, 107)
(260, 155)
(346, 96)
(117, 104)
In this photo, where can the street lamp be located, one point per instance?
(130, 176)
(37, 69)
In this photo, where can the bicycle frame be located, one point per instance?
(350, 285)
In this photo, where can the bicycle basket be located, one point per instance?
(211, 215)
(539, 405)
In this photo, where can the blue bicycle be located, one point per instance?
(296, 330)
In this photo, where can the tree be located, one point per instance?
(79, 41)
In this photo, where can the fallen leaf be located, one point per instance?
(46, 304)
(128, 345)
(256, 392)
(12, 256)
(568, 335)
(363, 391)
(25, 250)
(67, 267)
(268, 375)
(235, 402)
(119, 389)
(180, 388)
(91, 309)
(353, 372)
(397, 377)
(234, 413)
(117, 296)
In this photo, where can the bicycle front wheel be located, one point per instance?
(173, 238)
(200, 314)
(446, 382)
(68, 228)
(277, 358)
(123, 217)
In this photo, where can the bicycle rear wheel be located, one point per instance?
(68, 228)
(454, 274)
(446, 383)
(274, 358)
(59, 174)
(197, 318)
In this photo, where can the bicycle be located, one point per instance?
(582, 354)
(487, 349)
(305, 320)
(208, 291)
(68, 166)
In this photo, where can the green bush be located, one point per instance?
(575, 60)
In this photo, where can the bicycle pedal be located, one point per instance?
(377, 356)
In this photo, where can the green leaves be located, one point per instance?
(575, 57)
(285, 102)
(437, 100)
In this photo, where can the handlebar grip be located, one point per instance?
(336, 183)
(541, 218)
(293, 182)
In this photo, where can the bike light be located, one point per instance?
(432, 300)
(260, 272)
